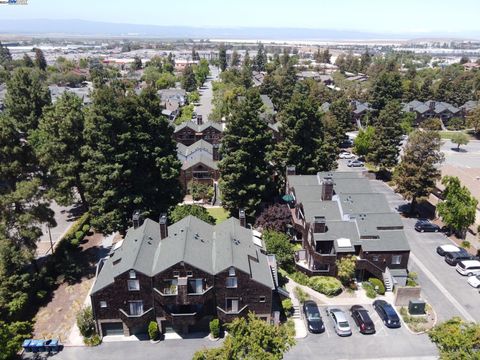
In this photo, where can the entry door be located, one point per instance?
(234, 305)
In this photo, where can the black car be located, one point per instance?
(453, 258)
(313, 317)
(362, 319)
(426, 226)
(387, 313)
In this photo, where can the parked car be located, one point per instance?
(346, 143)
(362, 319)
(455, 257)
(387, 313)
(340, 322)
(355, 163)
(313, 317)
(468, 267)
(346, 155)
(442, 250)
(426, 226)
(474, 281)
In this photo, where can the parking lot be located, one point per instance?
(385, 343)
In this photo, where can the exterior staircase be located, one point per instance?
(296, 312)
(387, 280)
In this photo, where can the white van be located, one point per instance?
(468, 267)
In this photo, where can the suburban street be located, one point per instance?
(206, 95)
(469, 155)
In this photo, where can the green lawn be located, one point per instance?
(220, 214)
(447, 134)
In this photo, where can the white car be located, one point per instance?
(346, 155)
(474, 281)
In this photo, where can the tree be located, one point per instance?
(27, 61)
(165, 81)
(363, 143)
(246, 179)
(458, 207)
(473, 119)
(201, 191)
(346, 269)
(342, 111)
(302, 131)
(202, 70)
(222, 57)
(5, 56)
(11, 336)
(57, 143)
(235, 59)
(181, 211)
(386, 87)
(460, 138)
(86, 322)
(25, 99)
(130, 158)
(416, 175)
(464, 60)
(456, 339)
(169, 64)
(388, 132)
(275, 217)
(137, 63)
(251, 338)
(261, 59)
(189, 82)
(279, 244)
(40, 61)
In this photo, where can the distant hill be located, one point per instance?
(93, 28)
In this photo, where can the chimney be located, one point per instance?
(242, 218)
(136, 219)
(291, 170)
(163, 226)
(327, 189)
(199, 120)
(432, 105)
(216, 152)
(410, 109)
(319, 224)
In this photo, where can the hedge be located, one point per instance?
(76, 228)
(377, 285)
(215, 328)
(327, 285)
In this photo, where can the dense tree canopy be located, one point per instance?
(181, 211)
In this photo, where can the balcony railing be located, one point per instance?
(135, 316)
(168, 291)
(230, 312)
(201, 293)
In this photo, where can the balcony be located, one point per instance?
(203, 292)
(167, 291)
(124, 314)
(230, 311)
(364, 264)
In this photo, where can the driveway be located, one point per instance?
(206, 95)
(442, 286)
(384, 344)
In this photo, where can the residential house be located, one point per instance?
(82, 92)
(315, 75)
(199, 162)
(336, 214)
(181, 64)
(182, 276)
(173, 95)
(468, 106)
(432, 109)
(190, 132)
(258, 77)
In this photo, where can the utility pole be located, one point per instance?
(50, 236)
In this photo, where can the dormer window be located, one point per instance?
(132, 274)
(231, 271)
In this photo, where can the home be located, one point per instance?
(315, 75)
(200, 168)
(181, 64)
(432, 109)
(178, 96)
(190, 132)
(182, 276)
(337, 214)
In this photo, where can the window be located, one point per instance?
(176, 273)
(103, 304)
(136, 307)
(195, 286)
(133, 285)
(231, 271)
(231, 304)
(262, 298)
(231, 282)
(171, 287)
(375, 258)
(189, 273)
(132, 274)
(396, 259)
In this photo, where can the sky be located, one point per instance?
(388, 16)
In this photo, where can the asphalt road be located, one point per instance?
(442, 286)
(206, 95)
(468, 156)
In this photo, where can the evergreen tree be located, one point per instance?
(40, 61)
(222, 57)
(169, 64)
(189, 82)
(387, 87)
(426, 92)
(302, 131)
(57, 143)
(365, 60)
(5, 56)
(388, 132)
(416, 175)
(342, 111)
(137, 63)
(27, 61)
(235, 59)
(181, 211)
(261, 59)
(131, 160)
(26, 97)
(246, 172)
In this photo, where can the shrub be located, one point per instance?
(369, 290)
(85, 322)
(377, 285)
(79, 235)
(300, 278)
(456, 124)
(301, 295)
(466, 244)
(432, 124)
(94, 340)
(215, 328)
(75, 242)
(326, 285)
(86, 228)
(287, 306)
(41, 294)
(153, 332)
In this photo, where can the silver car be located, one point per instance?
(340, 322)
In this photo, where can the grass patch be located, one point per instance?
(220, 214)
(447, 134)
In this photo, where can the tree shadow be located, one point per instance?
(460, 150)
